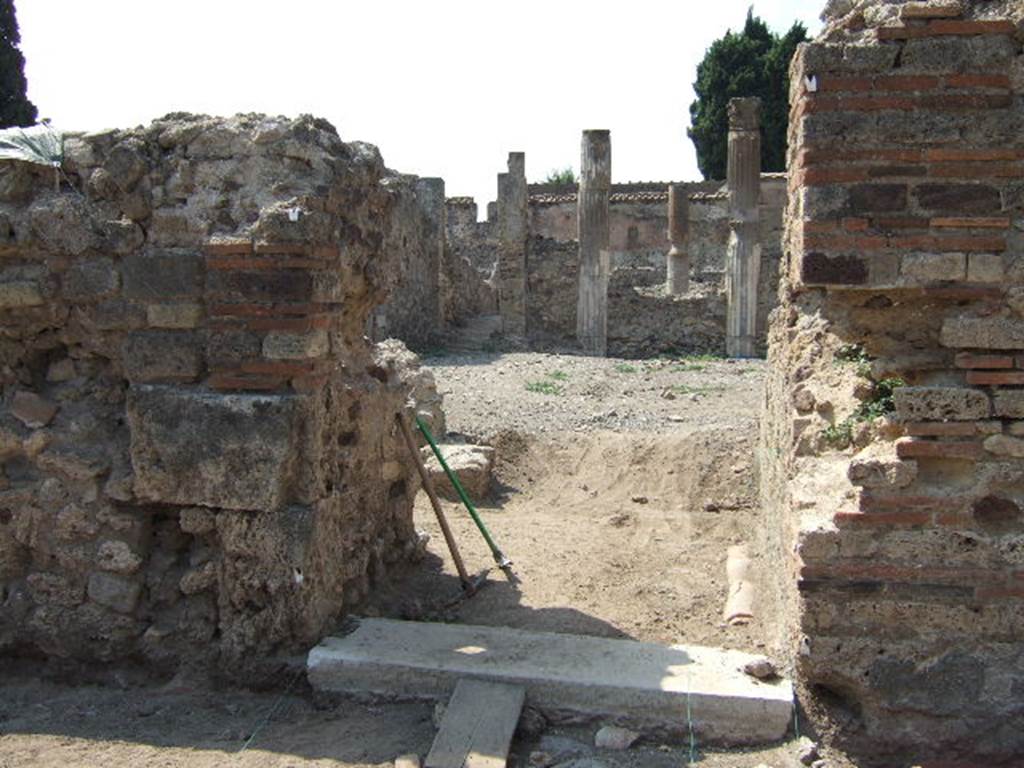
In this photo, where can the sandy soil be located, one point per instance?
(619, 486)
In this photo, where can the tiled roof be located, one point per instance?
(628, 197)
(708, 197)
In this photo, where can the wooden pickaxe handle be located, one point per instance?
(428, 485)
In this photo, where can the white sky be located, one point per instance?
(443, 87)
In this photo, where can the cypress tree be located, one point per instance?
(15, 108)
(753, 62)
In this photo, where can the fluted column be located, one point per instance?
(678, 259)
(512, 227)
(592, 216)
(743, 260)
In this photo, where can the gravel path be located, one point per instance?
(537, 393)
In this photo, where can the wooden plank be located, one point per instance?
(477, 728)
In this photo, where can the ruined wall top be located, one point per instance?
(870, 20)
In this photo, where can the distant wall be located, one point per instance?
(643, 320)
(468, 266)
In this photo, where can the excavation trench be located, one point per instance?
(614, 532)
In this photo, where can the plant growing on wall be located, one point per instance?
(561, 176)
(753, 62)
(15, 108)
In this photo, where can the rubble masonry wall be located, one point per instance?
(198, 458)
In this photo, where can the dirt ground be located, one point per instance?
(619, 486)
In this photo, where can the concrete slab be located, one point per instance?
(638, 684)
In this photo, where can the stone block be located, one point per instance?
(123, 236)
(161, 355)
(940, 404)
(54, 589)
(957, 54)
(236, 451)
(266, 285)
(228, 347)
(983, 333)
(115, 592)
(933, 267)
(832, 57)
(1009, 403)
(117, 557)
(173, 228)
(32, 410)
(74, 523)
(877, 198)
(958, 198)
(91, 280)
(881, 472)
(126, 163)
(472, 464)
(78, 463)
(115, 315)
(63, 224)
(162, 274)
(823, 269)
(20, 293)
(199, 579)
(197, 520)
(1004, 445)
(62, 370)
(180, 315)
(280, 345)
(985, 268)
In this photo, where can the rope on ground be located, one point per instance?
(270, 713)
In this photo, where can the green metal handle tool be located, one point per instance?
(499, 557)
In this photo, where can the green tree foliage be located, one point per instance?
(754, 62)
(561, 176)
(15, 108)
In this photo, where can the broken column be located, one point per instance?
(743, 260)
(512, 228)
(678, 259)
(592, 208)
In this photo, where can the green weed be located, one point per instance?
(880, 403)
(544, 388)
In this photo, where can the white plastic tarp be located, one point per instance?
(38, 144)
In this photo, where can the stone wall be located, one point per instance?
(468, 273)
(638, 218)
(643, 319)
(905, 242)
(415, 237)
(195, 444)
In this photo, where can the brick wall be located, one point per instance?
(904, 242)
